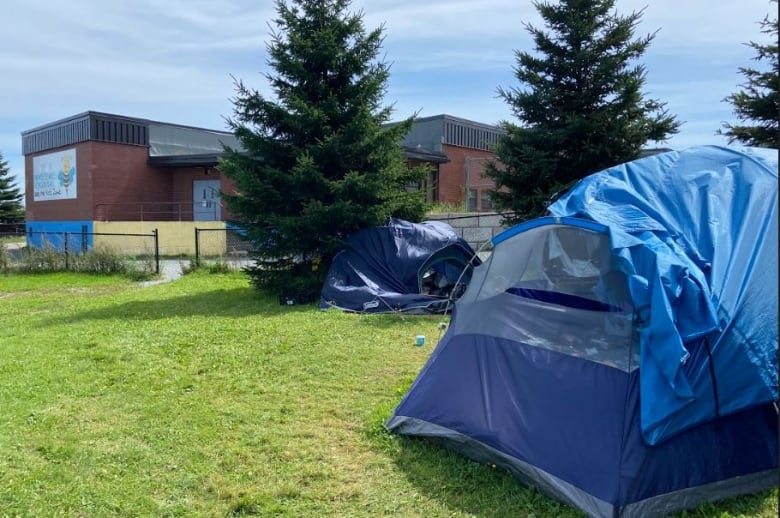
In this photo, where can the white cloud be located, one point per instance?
(172, 60)
(449, 20)
(700, 23)
(89, 27)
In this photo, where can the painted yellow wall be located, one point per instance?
(175, 237)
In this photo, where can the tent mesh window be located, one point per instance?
(560, 290)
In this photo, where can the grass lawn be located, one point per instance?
(201, 397)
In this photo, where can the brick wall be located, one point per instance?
(122, 180)
(79, 208)
(116, 183)
(464, 162)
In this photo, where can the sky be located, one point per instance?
(175, 60)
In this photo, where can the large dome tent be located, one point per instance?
(621, 353)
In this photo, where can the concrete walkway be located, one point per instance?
(172, 269)
(14, 249)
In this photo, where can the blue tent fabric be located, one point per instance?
(621, 354)
(379, 268)
(574, 431)
(697, 233)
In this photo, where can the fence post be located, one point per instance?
(65, 241)
(197, 247)
(156, 251)
(84, 246)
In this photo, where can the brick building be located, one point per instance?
(464, 148)
(96, 168)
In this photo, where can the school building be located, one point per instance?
(100, 173)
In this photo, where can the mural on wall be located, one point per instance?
(54, 176)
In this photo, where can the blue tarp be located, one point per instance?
(381, 268)
(696, 233)
(621, 354)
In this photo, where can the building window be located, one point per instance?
(431, 186)
(485, 203)
(472, 201)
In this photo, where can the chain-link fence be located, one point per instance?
(222, 244)
(12, 231)
(72, 245)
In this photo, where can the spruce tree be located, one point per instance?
(759, 101)
(11, 209)
(580, 105)
(320, 160)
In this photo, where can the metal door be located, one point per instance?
(205, 200)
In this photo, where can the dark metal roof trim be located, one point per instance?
(86, 126)
(112, 116)
(459, 120)
(82, 116)
(212, 159)
(171, 161)
(97, 126)
(426, 155)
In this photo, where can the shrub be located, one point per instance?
(44, 259)
(101, 260)
(5, 258)
(217, 266)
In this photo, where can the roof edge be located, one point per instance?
(125, 118)
(83, 115)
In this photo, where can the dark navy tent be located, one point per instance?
(402, 266)
(621, 354)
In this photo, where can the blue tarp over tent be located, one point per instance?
(621, 354)
(696, 231)
(402, 266)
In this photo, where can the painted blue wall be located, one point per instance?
(41, 234)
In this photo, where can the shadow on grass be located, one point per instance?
(233, 302)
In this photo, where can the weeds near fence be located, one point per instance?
(189, 266)
(217, 267)
(102, 261)
(39, 260)
(5, 258)
(446, 207)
